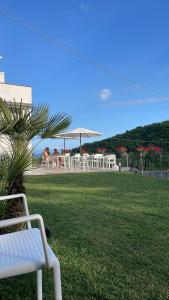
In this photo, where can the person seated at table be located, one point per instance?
(46, 155)
(55, 152)
(58, 158)
(55, 157)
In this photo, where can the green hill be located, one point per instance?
(157, 134)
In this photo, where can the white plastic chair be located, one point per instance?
(84, 161)
(44, 162)
(111, 161)
(67, 161)
(27, 251)
(97, 160)
(76, 160)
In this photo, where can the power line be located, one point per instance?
(135, 140)
(141, 141)
(51, 39)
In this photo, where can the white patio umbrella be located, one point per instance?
(58, 136)
(80, 133)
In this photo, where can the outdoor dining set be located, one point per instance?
(84, 162)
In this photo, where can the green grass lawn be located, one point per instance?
(111, 234)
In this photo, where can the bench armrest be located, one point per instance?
(23, 196)
(36, 217)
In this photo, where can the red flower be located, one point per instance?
(151, 147)
(157, 149)
(140, 148)
(154, 148)
(121, 149)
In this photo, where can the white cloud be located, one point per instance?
(105, 94)
(138, 101)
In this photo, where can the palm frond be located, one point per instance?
(20, 126)
(55, 125)
(12, 165)
(38, 120)
(30, 123)
(6, 119)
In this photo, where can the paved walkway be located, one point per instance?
(45, 171)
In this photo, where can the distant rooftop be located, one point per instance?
(2, 77)
(9, 91)
(2, 80)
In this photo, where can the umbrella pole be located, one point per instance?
(64, 144)
(80, 141)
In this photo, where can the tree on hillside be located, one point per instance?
(20, 127)
(123, 152)
(156, 133)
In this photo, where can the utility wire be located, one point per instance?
(60, 44)
(138, 140)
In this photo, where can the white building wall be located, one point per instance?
(2, 77)
(11, 92)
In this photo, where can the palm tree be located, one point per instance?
(20, 127)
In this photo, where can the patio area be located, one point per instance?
(75, 164)
(44, 171)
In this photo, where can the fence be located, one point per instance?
(160, 174)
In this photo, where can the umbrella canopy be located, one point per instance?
(80, 132)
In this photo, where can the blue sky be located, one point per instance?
(129, 38)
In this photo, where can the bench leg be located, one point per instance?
(39, 284)
(57, 281)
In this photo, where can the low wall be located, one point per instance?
(163, 174)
